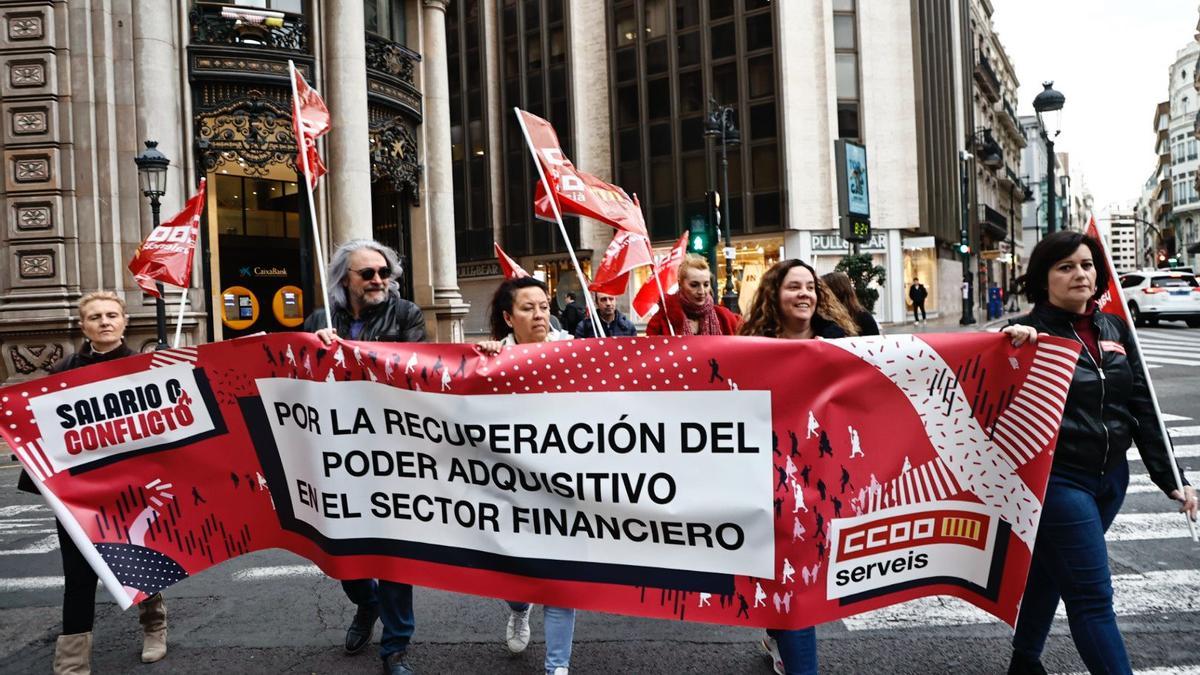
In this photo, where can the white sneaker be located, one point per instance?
(772, 648)
(517, 632)
(561, 670)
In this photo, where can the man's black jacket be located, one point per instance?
(393, 320)
(1108, 404)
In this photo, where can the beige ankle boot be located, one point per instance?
(153, 615)
(73, 654)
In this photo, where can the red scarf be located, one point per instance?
(704, 314)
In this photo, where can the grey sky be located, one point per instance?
(1110, 59)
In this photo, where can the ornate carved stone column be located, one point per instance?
(345, 91)
(447, 307)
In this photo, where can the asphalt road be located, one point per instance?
(271, 612)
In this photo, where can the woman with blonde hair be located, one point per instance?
(840, 286)
(692, 311)
(102, 318)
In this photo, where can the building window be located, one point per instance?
(468, 131)
(846, 69)
(534, 77)
(385, 18)
(667, 59)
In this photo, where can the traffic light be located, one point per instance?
(964, 248)
(700, 241)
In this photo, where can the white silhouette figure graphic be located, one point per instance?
(706, 599)
(308, 365)
(329, 376)
(291, 358)
(790, 469)
(357, 355)
(339, 358)
(809, 575)
(855, 445)
(732, 385)
(262, 482)
(371, 374)
(778, 602)
(789, 572)
(812, 425)
(798, 495)
(787, 602)
(760, 596)
(411, 365)
(387, 369)
(907, 465)
(797, 530)
(445, 379)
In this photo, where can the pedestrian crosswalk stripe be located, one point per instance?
(29, 583)
(44, 545)
(1181, 337)
(1165, 670)
(1143, 526)
(18, 509)
(1168, 417)
(261, 573)
(1153, 357)
(1149, 593)
(1183, 432)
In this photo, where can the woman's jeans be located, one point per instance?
(797, 650)
(560, 632)
(1070, 560)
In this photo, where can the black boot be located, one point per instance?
(358, 635)
(1021, 665)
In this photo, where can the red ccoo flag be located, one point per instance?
(578, 193)
(310, 121)
(1111, 301)
(511, 269)
(166, 255)
(665, 270)
(625, 253)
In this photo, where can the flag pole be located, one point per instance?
(662, 294)
(308, 189)
(587, 293)
(1162, 424)
(183, 298)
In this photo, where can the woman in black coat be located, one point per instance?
(1108, 407)
(102, 318)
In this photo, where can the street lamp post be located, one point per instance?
(1049, 100)
(1026, 196)
(152, 174)
(721, 127)
(964, 246)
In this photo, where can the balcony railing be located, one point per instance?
(220, 26)
(993, 222)
(391, 59)
(986, 76)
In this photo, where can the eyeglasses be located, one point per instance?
(368, 273)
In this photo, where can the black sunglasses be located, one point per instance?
(368, 273)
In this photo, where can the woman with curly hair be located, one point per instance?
(794, 304)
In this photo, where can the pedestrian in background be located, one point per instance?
(103, 319)
(365, 304)
(1108, 407)
(917, 294)
(572, 314)
(793, 304)
(614, 323)
(692, 310)
(840, 286)
(520, 314)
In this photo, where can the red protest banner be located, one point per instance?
(310, 121)
(846, 476)
(166, 254)
(625, 253)
(578, 193)
(510, 267)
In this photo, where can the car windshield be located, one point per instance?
(1181, 281)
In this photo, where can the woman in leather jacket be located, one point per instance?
(1108, 407)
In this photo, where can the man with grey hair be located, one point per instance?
(365, 304)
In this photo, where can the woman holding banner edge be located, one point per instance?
(1108, 406)
(793, 304)
(103, 319)
(520, 314)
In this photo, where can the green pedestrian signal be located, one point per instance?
(699, 242)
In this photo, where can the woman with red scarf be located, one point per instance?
(692, 311)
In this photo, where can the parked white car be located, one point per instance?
(1168, 295)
